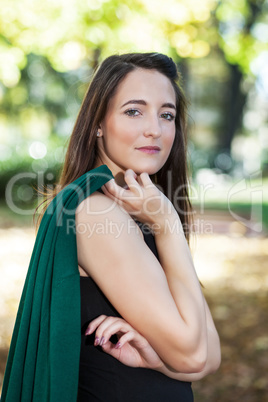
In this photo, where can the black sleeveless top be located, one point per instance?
(102, 378)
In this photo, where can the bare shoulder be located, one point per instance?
(95, 203)
(101, 211)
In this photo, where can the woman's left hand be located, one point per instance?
(141, 199)
(132, 349)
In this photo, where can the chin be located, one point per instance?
(146, 168)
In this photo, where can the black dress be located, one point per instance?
(102, 378)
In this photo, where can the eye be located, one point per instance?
(132, 112)
(168, 116)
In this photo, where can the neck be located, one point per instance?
(117, 172)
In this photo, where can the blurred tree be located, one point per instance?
(232, 30)
(49, 49)
(65, 32)
(241, 25)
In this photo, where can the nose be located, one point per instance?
(153, 127)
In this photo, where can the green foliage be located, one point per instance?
(21, 174)
(240, 25)
(50, 49)
(70, 32)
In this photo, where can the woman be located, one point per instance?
(138, 119)
(147, 331)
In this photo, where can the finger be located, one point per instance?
(108, 187)
(139, 181)
(138, 341)
(106, 192)
(133, 185)
(145, 179)
(109, 348)
(94, 324)
(114, 189)
(109, 327)
(131, 178)
(121, 197)
(130, 172)
(127, 337)
(114, 198)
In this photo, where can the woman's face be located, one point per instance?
(141, 115)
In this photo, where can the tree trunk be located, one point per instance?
(235, 102)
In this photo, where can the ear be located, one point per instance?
(99, 132)
(100, 128)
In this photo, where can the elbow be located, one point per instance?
(204, 361)
(187, 353)
(197, 354)
(191, 362)
(216, 362)
(197, 361)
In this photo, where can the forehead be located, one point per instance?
(149, 85)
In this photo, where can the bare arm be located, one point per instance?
(176, 260)
(132, 349)
(213, 359)
(164, 303)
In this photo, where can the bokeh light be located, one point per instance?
(37, 150)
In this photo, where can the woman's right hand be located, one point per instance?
(132, 349)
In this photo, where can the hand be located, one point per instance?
(141, 199)
(132, 349)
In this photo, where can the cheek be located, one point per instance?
(121, 136)
(169, 139)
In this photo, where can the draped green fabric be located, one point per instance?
(43, 361)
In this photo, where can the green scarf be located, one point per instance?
(43, 361)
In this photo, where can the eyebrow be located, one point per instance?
(142, 102)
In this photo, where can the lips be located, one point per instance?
(149, 149)
(153, 148)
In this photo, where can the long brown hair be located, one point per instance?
(82, 151)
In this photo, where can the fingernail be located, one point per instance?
(96, 342)
(102, 341)
(87, 331)
(118, 345)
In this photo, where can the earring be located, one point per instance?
(98, 134)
